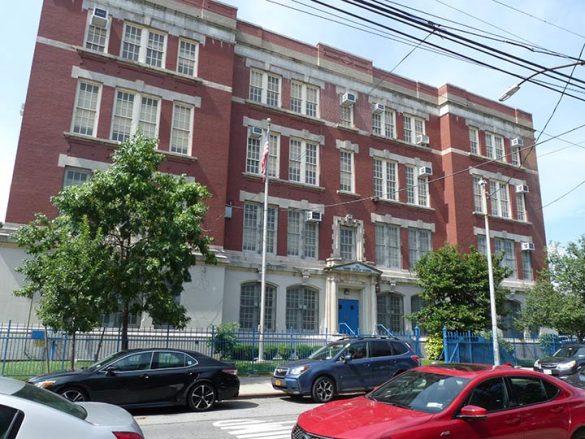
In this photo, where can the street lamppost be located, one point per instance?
(512, 90)
(496, 346)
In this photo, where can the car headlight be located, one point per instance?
(299, 370)
(569, 365)
(537, 364)
(45, 384)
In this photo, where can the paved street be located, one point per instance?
(256, 418)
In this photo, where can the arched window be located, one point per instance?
(391, 311)
(250, 306)
(302, 309)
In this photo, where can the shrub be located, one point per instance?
(434, 347)
(225, 340)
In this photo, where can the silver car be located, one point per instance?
(29, 412)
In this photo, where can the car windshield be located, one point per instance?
(51, 399)
(329, 351)
(570, 351)
(422, 391)
(107, 360)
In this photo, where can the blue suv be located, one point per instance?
(348, 365)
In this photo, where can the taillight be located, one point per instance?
(231, 371)
(127, 435)
(416, 358)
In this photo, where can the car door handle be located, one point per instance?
(144, 376)
(513, 421)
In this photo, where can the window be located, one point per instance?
(304, 99)
(417, 303)
(530, 390)
(419, 243)
(477, 195)
(75, 176)
(302, 309)
(384, 123)
(182, 128)
(520, 207)
(85, 115)
(500, 199)
(490, 395)
(380, 348)
(482, 245)
(346, 116)
(133, 362)
(254, 154)
(515, 156)
(506, 246)
(347, 244)
(385, 179)
(417, 188)
(527, 273)
(301, 235)
(303, 162)
(265, 88)
(474, 140)
(250, 306)
(512, 310)
(133, 112)
(388, 245)
(346, 171)
(413, 126)
(187, 58)
(494, 147)
(253, 228)
(391, 311)
(96, 37)
(167, 360)
(143, 45)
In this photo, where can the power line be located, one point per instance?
(564, 195)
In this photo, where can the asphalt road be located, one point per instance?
(260, 418)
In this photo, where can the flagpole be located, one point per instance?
(264, 237)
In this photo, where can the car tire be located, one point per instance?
(579, 435)
(323, 389)
(73, 394)
(202, 396)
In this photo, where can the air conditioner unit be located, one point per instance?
(348, 99)
(527, 246)
(313, 216)
(517, 141)
(379, 108)
(99, 17)
(521, 189)
(425, 171)
(256, 132)
(422, 139)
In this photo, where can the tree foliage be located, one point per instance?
(145, 226)
(455, 290)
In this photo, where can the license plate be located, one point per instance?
(278, 382)
(547, 371)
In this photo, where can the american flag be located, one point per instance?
(265, 153)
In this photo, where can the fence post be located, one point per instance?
(212, 344)
(445, 345)
(64, 353)
(168, 331)
(417, 340)
(5, 353)
(119, 340)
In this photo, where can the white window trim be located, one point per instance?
(144, 44)
(86, 34)
(135, 111)
(303, 98)
(386, 244)
(264, 91)
(303, 161)
(352, 170)
(417, 183)
(191, 126)
(67, 169)
(385, 179)
(496, 195)
(259, 224)
(413, 131)
(348, 221)
(474, 131)
(302, 242)
(97, 110)
(387, 112)
(196, 44)
(491, 153)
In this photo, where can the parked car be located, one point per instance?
(563, 362)
(348, 365)
(149, 378)
(28, 412)
(456, 401)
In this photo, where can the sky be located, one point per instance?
(553, 25)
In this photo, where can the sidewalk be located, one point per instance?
(257, 387)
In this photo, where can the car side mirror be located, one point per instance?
(472, 412)
(111, 370)
(347, 358)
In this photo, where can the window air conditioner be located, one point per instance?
(99, 17)
(422, 139)
(314, 217)
(517, 141)
(379, 108)
(348, 99)
(527, 246)
(425, 171)
(521, 189)
(256, 132)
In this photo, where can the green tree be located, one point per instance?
(151, 228)
(455, 290)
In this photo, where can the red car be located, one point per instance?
(454, 401)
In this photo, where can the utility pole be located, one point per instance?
(488, 247)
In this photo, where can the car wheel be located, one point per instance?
(202, 396)
(73, 394)
(323, 389)
(579, 435)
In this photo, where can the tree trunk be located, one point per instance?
(125, 313)
(73, 339)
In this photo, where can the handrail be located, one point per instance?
(343, 324)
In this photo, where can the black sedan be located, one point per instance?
(149, 378)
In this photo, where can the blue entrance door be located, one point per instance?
(348, 316)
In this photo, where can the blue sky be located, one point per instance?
(561, 164)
